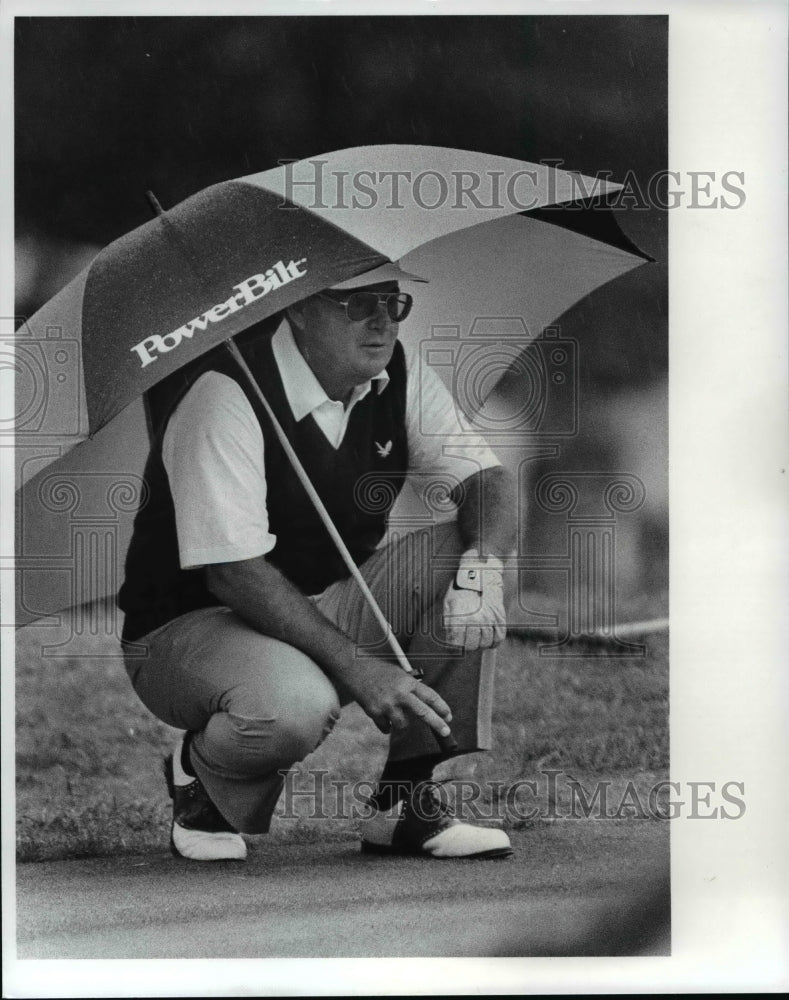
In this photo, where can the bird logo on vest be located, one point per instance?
(383, 449)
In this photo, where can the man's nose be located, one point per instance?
(381, 319)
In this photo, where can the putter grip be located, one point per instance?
(448, 744)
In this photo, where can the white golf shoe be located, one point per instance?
(199, 831)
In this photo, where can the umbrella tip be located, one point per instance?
(153, 201)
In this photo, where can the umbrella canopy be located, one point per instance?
(507, 245)
(519, 239)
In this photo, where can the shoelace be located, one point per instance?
(429, 803)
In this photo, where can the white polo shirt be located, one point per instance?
(214, 456)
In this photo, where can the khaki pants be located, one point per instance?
(256, 705)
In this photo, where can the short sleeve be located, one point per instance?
(213, 454)
(438, 444)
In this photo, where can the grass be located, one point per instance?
(89, 754)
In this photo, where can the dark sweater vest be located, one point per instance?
(357, 483)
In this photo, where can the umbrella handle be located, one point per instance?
(447, 743)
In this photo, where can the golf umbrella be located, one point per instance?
(496, 237)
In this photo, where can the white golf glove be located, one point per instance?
(474, 603)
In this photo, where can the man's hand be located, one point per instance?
(389, 695)
(474, 603)
(269, 602)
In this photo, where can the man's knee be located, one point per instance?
(307, 720)
(266, 734)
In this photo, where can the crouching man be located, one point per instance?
(255, 633)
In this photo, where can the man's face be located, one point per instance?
(341, 352)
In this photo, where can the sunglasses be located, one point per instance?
(363, 305)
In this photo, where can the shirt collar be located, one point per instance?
(302, 389)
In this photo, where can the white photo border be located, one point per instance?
(728, 455)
